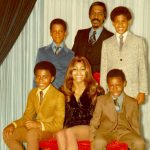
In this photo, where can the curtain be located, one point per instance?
(13, 16)
(16, 71)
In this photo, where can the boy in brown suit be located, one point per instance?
(44, 114)
(116, 116)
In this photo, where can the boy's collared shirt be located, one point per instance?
(54, 46)
(98, 32)
(44, 91)
(124, 36)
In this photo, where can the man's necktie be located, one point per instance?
(120, 42)
(57, 49)
(116, 104)
(41, 97)
(92, 39)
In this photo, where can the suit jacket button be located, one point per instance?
(120, 59)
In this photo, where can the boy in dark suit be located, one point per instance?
(44, 114)
(116, 116)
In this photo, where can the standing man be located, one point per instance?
(88, 42)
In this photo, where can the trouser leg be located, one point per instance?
(15, 141)
(134, 141)
(101, 140)
(34, 136)
(31, 137)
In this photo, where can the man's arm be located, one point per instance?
(104, 66)
(143, 86)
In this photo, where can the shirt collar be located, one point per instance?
(98, 32)
(120, 101)
(124, 35)
(120, 97)
(44, 91)
(54, 44)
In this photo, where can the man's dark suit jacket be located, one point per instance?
(81, 47)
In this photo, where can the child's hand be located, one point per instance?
(9, 130)
(140, 98)
(32, 124)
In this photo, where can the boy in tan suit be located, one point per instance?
(44, 114)
(116, 116)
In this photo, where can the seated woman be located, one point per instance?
(81, 91)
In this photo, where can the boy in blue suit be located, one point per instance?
(57, 52)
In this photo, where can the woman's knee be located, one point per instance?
(60, 134)
(68, 132)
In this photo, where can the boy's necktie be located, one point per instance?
(57, 49)
(92, 39)
(120, 42)
(116, 104)
(41, 97)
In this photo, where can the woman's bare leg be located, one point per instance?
(61, 139)
(80, 132)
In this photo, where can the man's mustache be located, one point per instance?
(95, 20)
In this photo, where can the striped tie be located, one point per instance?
(116, 104)
(120, 42)
(92, 39)
(57, 49)
(41, 97)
